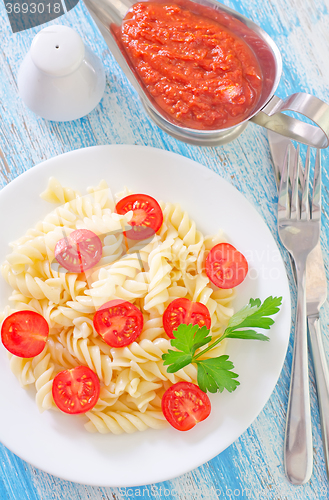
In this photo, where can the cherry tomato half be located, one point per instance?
(147, 218)
(185, 311)
(184, 405)
(226, 267)
(24, 333)
(76, 390)
(119, 323)
(79, 251)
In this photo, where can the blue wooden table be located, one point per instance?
(252, 467)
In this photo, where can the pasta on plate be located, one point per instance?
(149, 274)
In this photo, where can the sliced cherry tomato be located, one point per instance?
(80, 250)
(119, 323)
(226, 267)
(76, 390)
(184, 405)
(147, 218)
(185, 311)
(24, 333)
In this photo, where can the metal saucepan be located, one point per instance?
(268, 112)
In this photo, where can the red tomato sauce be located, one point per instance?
(200, 73)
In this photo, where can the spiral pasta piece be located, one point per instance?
(104, 288)
(56, 193)
(27, 253)
(138, 392)
(107, 223)
(152, 329)
(102, 195)
(22, 369)
(118, 422)
(39, 371)
(186, 228)
(199, 290)
(86, 353)
(112, 249)
(158, 277)
(33, 287)
(140, 352)
(64, 316)
(43, 370)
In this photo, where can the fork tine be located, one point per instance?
(301, 174)
(295, 207)
(283, 201)
(305, 211)
(316, 201)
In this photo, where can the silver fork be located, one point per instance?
(299, 230)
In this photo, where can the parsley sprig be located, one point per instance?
(215, 374)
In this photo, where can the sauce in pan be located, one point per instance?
(198, 71)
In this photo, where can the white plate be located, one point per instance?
(58, 443)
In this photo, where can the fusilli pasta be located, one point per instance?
(149, 274)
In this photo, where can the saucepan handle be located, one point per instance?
(272, 118)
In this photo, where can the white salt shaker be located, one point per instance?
(60, 78)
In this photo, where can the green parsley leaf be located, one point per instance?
(254, 315)
(242, 314)
(247, 335)
(176, 360)
(215, 375)
(189, 338)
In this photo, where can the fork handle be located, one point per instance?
(322, 380)
(298, 452)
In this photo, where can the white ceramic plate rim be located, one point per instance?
(58, 443)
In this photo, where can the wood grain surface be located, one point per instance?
(252, 467)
